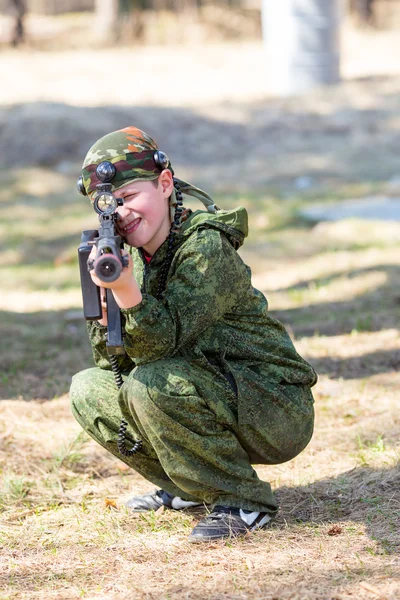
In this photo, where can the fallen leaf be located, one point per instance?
(335, 530)
(123, 467)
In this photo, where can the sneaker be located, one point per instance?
(228, 522)
(153, 501)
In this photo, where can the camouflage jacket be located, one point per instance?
(209, 309)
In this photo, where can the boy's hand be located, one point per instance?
(125, 289)
(123, 279)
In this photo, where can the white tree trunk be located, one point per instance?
(106, 17)
(302, 39)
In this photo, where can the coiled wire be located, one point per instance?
(121, 443)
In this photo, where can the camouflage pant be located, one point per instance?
(200, 433)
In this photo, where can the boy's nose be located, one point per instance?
(122, 211)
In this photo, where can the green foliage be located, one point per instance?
(14, 489)
(70, 453)
(368, 450)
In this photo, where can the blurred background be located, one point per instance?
(291, 109)
(288, 108)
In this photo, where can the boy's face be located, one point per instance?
(145, 216)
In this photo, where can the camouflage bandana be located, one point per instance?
(130, 150)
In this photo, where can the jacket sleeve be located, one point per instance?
(97, 337)
(204, 284)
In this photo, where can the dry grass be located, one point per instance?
(66, 534)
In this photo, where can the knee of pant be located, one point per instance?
(148, 385)
(83, 387)
(136, 388)
(161, 384)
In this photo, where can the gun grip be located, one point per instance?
(115, 344)
(90, 292)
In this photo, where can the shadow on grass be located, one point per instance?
(40, 352)
(342, 141)
(59, 249)
(362, 495)
(358, 367)
(375, 310)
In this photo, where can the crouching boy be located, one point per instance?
(212, 384)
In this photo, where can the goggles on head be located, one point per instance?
(106, 171)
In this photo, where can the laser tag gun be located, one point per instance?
(108, 262)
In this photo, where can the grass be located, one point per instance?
(64, 530)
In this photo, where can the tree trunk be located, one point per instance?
(364, 10)
(107, 18)
(302, 43)
(18, 8)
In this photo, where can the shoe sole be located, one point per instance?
(144, 510)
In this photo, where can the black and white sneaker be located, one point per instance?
(153, 501)
(228, 522)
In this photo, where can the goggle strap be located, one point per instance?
(191, 190)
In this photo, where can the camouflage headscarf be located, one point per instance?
(131, 151)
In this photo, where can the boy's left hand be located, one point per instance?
(125, 289)
(124, 280)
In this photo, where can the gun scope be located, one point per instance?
(105, 203)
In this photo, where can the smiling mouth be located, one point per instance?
(131, 227)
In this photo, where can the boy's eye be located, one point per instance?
(131, 196)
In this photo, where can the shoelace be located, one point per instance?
(220, 512)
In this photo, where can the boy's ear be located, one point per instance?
(167, 183)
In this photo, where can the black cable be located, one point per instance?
(121, 443)
(171, 239)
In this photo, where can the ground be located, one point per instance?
(64, 531)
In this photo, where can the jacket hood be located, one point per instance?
(233, 223)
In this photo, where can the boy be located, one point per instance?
(211, 383)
